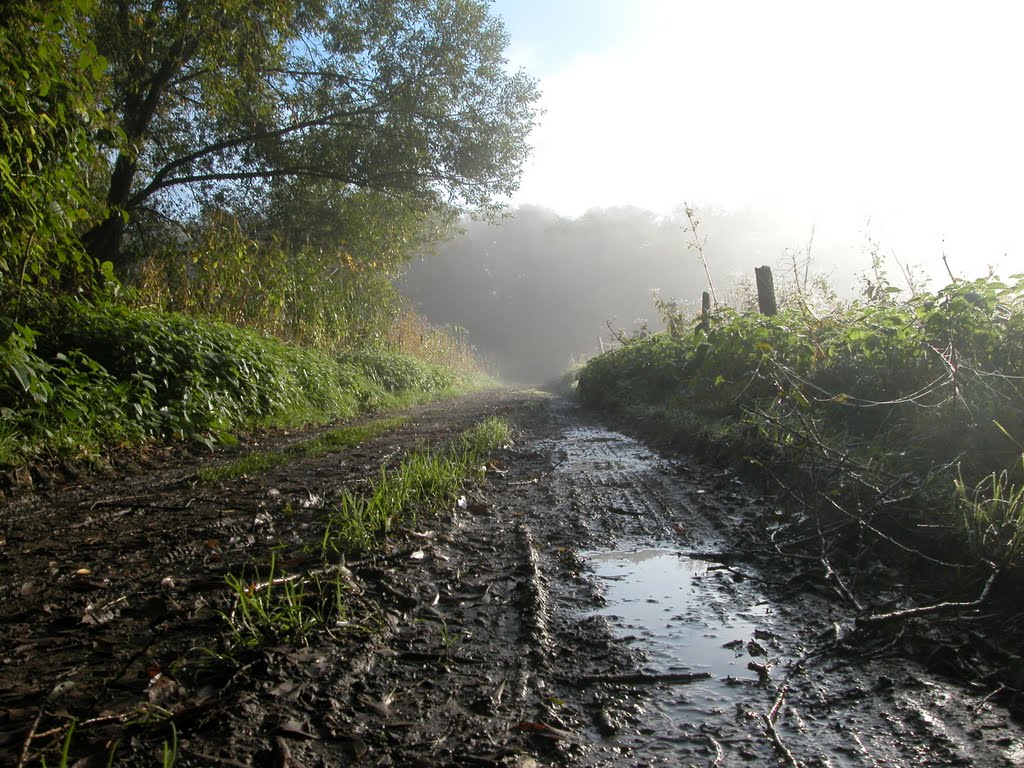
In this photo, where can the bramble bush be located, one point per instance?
(927, 388)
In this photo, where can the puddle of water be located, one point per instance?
(691, 615)
(659, 597)
(687, 615)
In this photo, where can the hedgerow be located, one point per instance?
(921, 396)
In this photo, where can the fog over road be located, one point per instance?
(537, 291)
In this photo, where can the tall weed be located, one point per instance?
(302, 295)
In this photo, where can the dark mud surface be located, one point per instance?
(588, 602)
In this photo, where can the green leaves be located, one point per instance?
(92, 377)
(250, 103)
(920, 376)
(47, 77)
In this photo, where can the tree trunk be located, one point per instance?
(104, 241)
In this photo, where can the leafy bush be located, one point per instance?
(928, 387)
(48, 70)
(94, 376)
(394, 372)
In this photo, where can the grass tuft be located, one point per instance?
(992, 512)
(283, 608)
(423, 484)
(336, 439)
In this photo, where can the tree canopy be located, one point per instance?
(242, 106)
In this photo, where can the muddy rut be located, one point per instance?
(588, 602)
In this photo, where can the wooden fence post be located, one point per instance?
(765, 291)
(705, 312)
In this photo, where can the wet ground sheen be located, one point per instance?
(590, 603)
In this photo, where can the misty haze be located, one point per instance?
(536, 291)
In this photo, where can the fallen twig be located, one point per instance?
(924, 610)
(981, 704)
(769, 722)
(831, 573)
(23, 757)
(719, 753)
(316, 573)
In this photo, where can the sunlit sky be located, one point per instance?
(904, 119)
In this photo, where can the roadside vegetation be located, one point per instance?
(271, 606)
(102, 375)
(329, 441)
(897, 418)
(205, 207)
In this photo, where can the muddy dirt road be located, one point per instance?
(588, 602)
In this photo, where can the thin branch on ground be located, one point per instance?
(925, 610)
(773, 734)
(27, 745)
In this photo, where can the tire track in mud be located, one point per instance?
(584, 606)
(628, 542)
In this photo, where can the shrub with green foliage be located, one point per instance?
(926, 388)
(49, 116)
(94, 376)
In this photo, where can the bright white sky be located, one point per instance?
(905, 113)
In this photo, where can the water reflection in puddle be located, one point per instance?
(682, 622)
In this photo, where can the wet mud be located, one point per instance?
(588, 602)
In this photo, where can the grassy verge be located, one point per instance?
(271, 606)
(909, 414)
(332, 440)
(85, 378)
